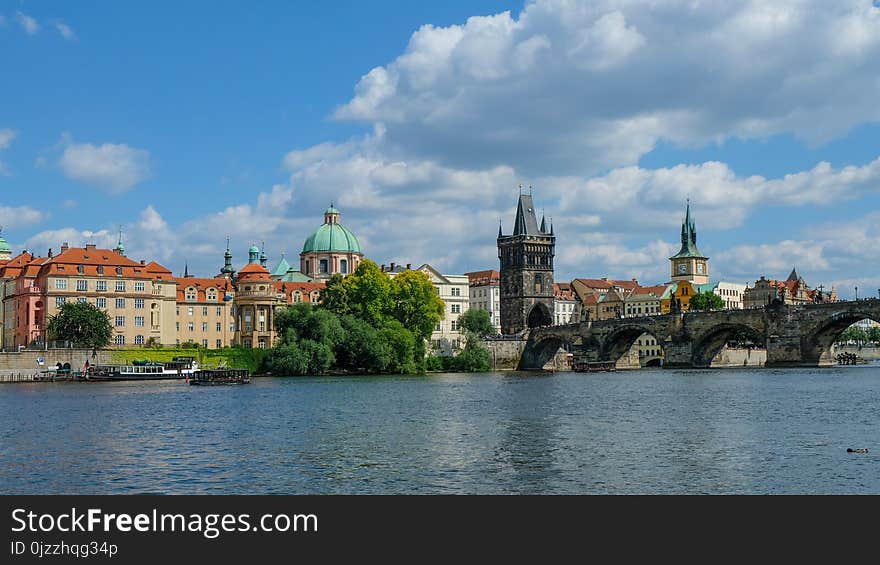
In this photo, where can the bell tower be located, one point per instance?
(526, 258)
(689, 264)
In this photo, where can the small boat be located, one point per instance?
(593, 366)
(214, 377)
(178, 368)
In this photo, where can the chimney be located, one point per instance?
(64, 247)
(50, 253)
(143, 262)
(409, 266)
(392, 266)
(90, 246)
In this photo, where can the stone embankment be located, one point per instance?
(24, 365)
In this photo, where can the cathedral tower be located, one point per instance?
(526, 271)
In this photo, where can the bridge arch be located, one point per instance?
(711, 342)
(817, 346)
(621, 339)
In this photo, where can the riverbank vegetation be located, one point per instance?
(367, 323)
(237, 357)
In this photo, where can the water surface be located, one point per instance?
(713, 431)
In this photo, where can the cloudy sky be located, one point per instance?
(190, 122)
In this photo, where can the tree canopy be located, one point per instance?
(477, 322)
(706, 301)
(82, 324)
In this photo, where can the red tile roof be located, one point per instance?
(483, 278)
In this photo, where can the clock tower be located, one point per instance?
(689, 264)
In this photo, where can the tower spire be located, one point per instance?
(499, 228)
(120, 248)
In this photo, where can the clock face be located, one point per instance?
(700, 268)
(682, 268)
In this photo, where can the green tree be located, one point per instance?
(362, 350)
(706, 301)
(874, 334)
(853, 333)
(473, 358)
(477, 322)
(368, 293)
(83, 324)
(334, 296)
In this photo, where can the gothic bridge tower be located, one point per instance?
(526, 271)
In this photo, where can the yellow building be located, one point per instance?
(204, 311)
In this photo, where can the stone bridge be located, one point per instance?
(794, 336)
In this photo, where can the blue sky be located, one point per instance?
(188, 122)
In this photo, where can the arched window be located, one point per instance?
(343, 266)
(539, 283)
(190, 293)
(212, 294)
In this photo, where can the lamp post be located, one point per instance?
(857, 294)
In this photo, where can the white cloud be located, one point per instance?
(15, 217)
(28, 24)
(113, 167)
(581, 87)
(6, 137)
(65, 30)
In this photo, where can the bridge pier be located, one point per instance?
(679, 355)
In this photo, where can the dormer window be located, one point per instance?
(100, 269)
(118, 270)
(190, 293)
(212, 294)
(80, 269)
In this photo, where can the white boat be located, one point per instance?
(178, 368)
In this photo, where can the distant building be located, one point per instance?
(589, 292)
(205, 311)
(794, 290)
(565, 305)
(139, 297)
(485, 294)
(644, 301)
(454, 291)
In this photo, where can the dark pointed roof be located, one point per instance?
(526, 222)
(688, 238)
(794, 276)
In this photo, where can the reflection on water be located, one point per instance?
(757, 431)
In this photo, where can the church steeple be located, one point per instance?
(689, 264)
(120, 248)
(263, 258)
(228, 269)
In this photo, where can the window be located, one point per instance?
(205, 327)
(219, 311)
(138, 321)
(454, 325)
(297, 297)
(456, 291)
(120, 339)
(138, 302)
(100, 269)
(219, 327)
(343, 266)
(189, 311)
(80, 269)
(232, 327)
(60, 301)
(190, 293)
(323, 266)
(61, 284)
(177, 324)
(82, 285)
(456, 308)
(261, 343)
(118, 270)
(138, 340)
(204, 310)
(101, 302)
(120, 321)
(101, 286)
(120, 286)
(205, 343)
(139, 287)
(120, 303)
(211, 294)
(191, 326)
(82, 300)
(219, 344)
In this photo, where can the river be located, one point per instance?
(640, 432)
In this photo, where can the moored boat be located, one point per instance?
(213, 377)
(178, 368)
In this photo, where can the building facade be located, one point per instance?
(526, 258)
(485, 294)
(793, 290)
(205, 311)
(566, 309)
(140, 298)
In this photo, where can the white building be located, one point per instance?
(485, 294)
(565, 305)
(453, 290)
(731, 293)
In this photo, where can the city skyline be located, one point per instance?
(422, 135)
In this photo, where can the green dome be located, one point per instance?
(4, 247)
(332, 237)
(254, 249)
(331, 210)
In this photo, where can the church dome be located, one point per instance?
(331, 236)
(4, 247)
